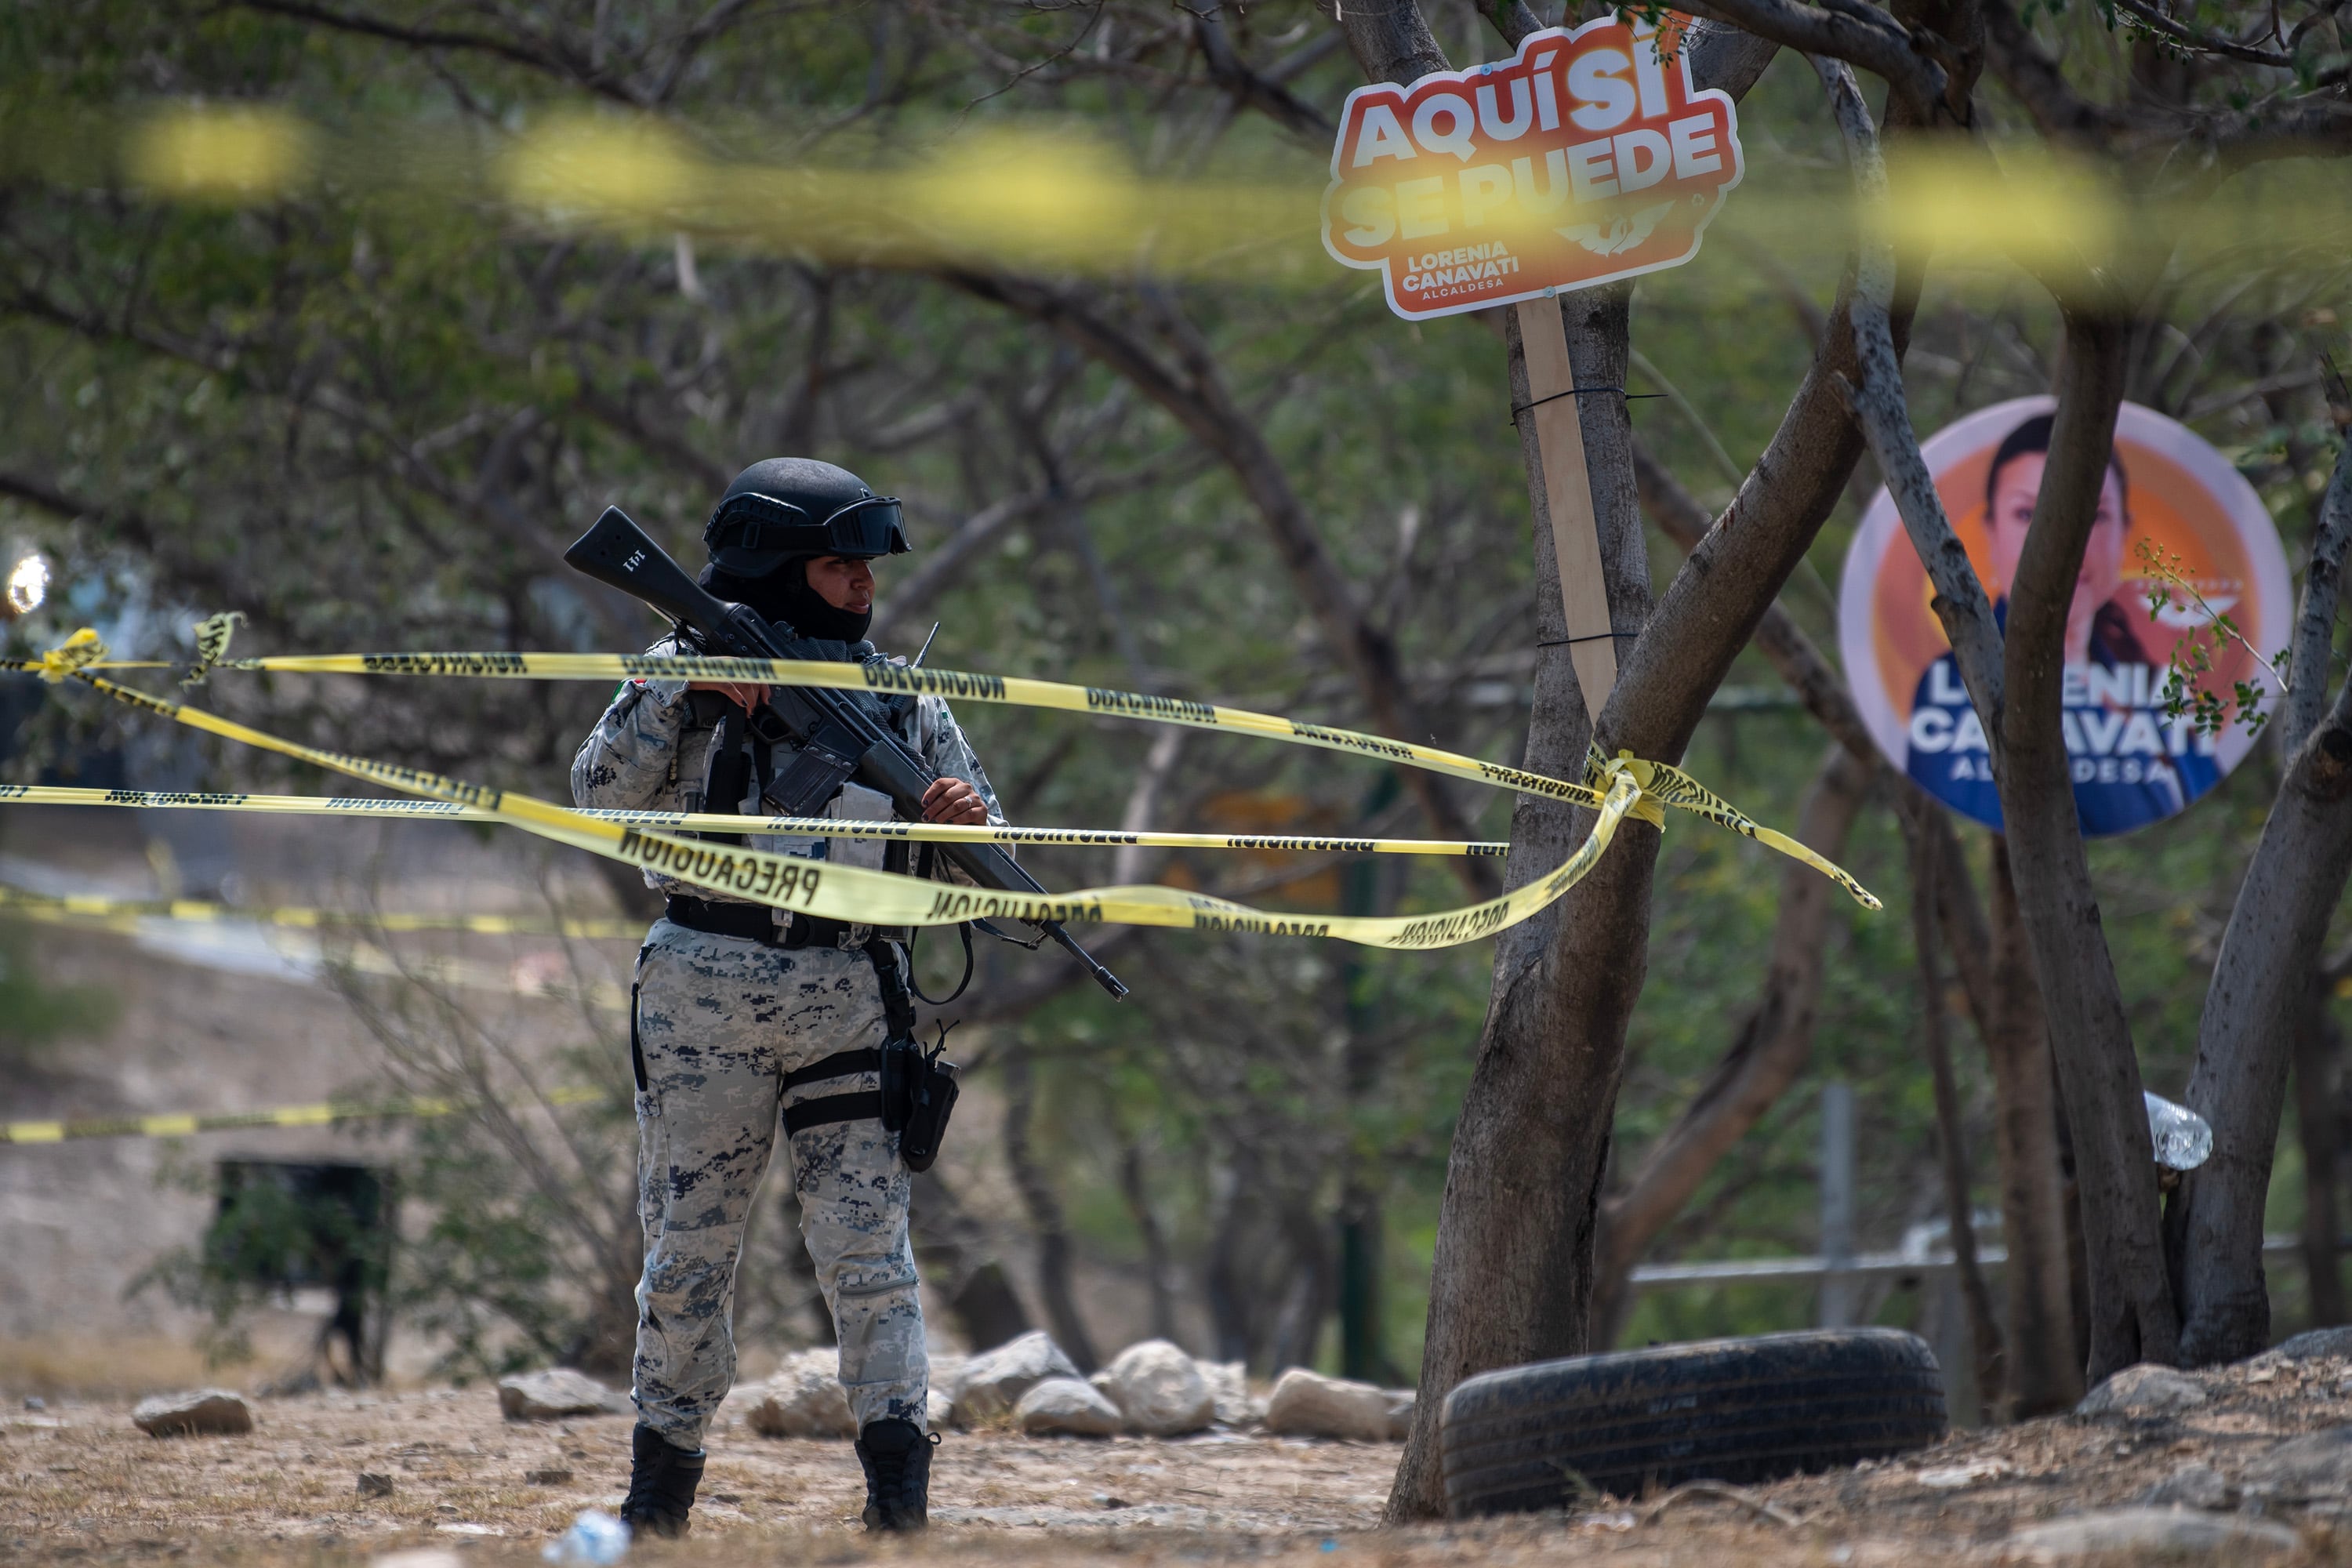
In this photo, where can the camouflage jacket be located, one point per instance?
(651, 752)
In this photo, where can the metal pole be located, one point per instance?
(1840, 1289)
(1567, 495)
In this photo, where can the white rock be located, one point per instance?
(419, 1557)
(1159, 1390)
(2144, 1535)
(1959, 1477)
(2317, 1464)
(2193, 1485)
(207, 1412)
(994, 1381)
(1308, 1405)
(2146, 1390)
(1064, 1406)
(940, 1411)
(1401, 1404)
(556, 1393)
(1229, 1386)
(803, 1399)
(2316, 1342)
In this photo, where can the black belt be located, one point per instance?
(754, 922)
(862, 1106)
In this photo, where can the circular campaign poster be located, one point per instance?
(2166, 486)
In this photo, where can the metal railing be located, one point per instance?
(1861, 1266)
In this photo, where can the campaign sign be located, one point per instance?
(1586, 157)
(2132, 764)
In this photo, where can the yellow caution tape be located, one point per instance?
(85, 906)
(129, 917)
(719, 822)
(879, 898)
(184, 1125)
(1660, 784)
(1050, 194)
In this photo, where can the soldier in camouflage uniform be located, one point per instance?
(742, 1012)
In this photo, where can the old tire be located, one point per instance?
(1742, 1411)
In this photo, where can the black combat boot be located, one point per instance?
(897, 1459)
(662, 1478)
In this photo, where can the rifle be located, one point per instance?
(838, 738)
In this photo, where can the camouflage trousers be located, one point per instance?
(719, 1022)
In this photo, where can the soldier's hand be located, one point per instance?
(746, 697)
(952, 800)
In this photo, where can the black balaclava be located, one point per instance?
(783, 595)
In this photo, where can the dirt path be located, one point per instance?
(79, 1484)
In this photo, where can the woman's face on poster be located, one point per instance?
(2014, 489)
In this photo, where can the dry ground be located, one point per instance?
(78, 1484)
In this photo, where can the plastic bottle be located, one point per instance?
(596, 1539)
(2183, 1139)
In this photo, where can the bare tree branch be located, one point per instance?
(1799, 661)
(2134, 1317)
(943, 562)
(1960, 1207)
(2202, 41)
(2314, 127)
(2025, 68)
(2262, 978)
(1879, 406)
(1724, 58)
(2314, 621)
(540, 55)
(1245, 87)
(1856, 34)
(1390, 40)
(1193, 391)
(622, 416)
(139, 530)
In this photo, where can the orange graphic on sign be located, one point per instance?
(1586, 157)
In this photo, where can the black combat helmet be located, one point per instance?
(784, 508)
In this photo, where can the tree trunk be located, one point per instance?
(1766, 1056)
(2269, 952)
(2045, 1368)
(2133, 1317)
(1959, 1205)
(1158, 1265)
(1363, 1348)
(2042, 1360)
(1222, 1285)
(2314, 618)
(2316, 1049)
(959, 1265)
(1045, 1207)
(1369, 889)
(1310, 1293)
(2015, 685)
(1512, 1280)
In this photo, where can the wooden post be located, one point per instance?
(1568, 492)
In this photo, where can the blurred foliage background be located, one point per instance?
(371, 415)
